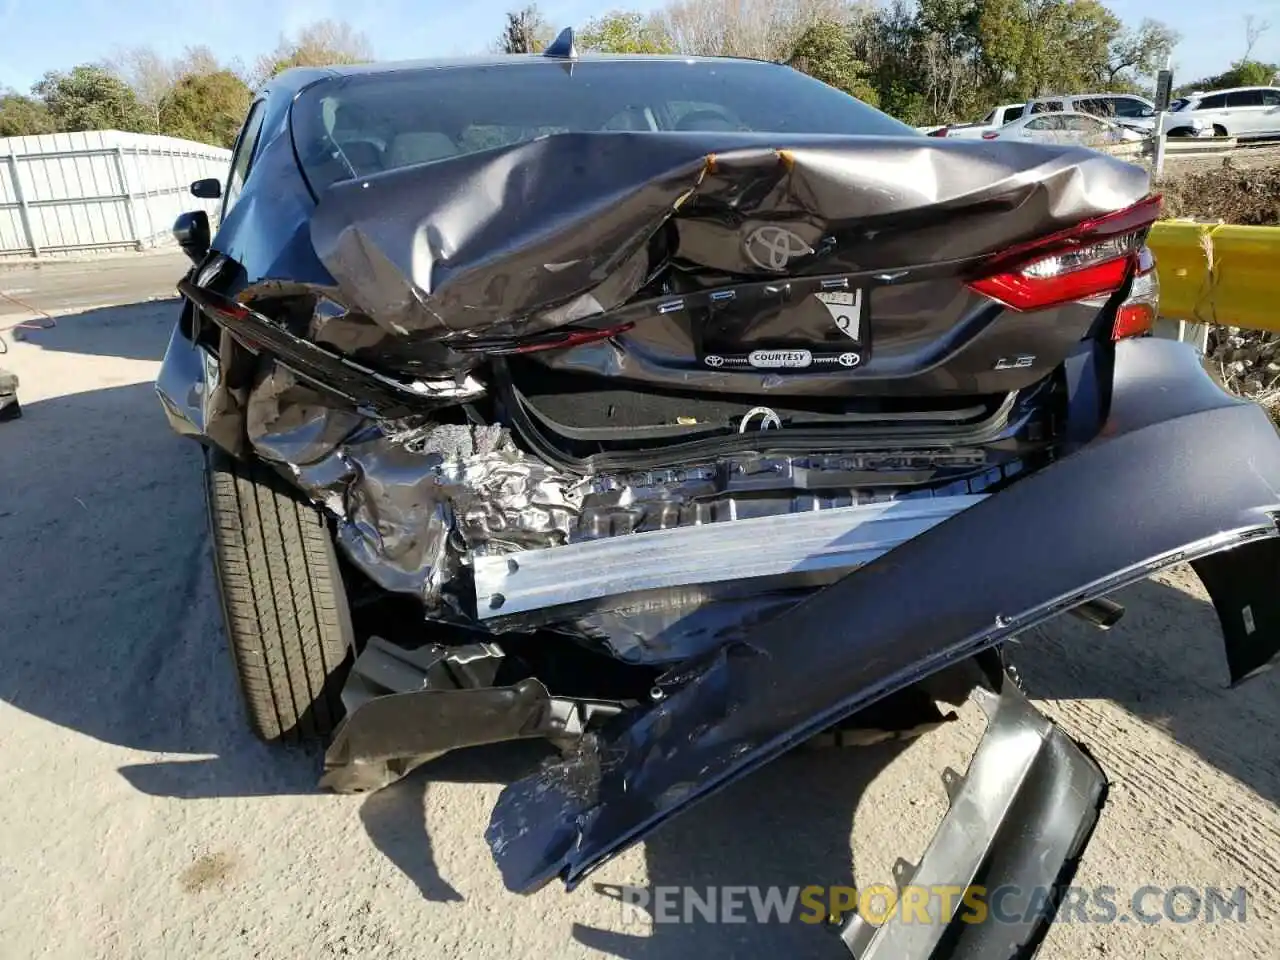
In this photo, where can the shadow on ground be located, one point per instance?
(111, 629)
(1164, 663)
(135, 331)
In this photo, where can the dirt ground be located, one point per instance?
(141, 820)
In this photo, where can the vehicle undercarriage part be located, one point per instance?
(406, 707)
(1018, 821)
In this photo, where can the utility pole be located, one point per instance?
(1164, 89)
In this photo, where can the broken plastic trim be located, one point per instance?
(406, 707)
(1018, 821)
(369, 392)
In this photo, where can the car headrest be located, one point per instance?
(364, 157)
(410, 148)
(705, 120)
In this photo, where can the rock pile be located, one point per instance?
(1248, 360)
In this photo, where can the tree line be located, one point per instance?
(194, 96)
(924, 61)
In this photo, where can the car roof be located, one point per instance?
(1085, 96)
(1067, 113)
(1252, 86)
(295, 79)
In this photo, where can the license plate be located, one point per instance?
(827, 330)
(845, 307)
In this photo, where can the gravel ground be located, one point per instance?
(1244, 158)
(141, 820)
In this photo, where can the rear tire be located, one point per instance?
(1219, 130)
(285, 610)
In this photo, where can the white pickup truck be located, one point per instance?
(997, 118)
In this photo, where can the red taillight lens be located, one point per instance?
(1137, 315)
(990, 135)
(1088, 260)
(572, 338)
(940, 132)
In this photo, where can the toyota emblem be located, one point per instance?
(773, 248)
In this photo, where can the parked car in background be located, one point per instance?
(997, 118)
(1123, 108)
(1080, 129)
(1244, 112)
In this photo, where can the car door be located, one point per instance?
(1213, 111)
(1085, 130)
(1009, 114)
(1270, 125)
(1046, 128)
(1245, 112)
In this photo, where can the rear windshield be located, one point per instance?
(363, 124)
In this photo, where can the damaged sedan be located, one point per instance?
(678, 411)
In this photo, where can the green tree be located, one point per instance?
(319, 44)
(22, 116)
(526, 31)
(1139, 53)
(1243, 73)
(90, 97)
(621, 31)
(825, 52)
(206, 107)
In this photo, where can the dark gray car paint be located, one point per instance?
(502, 244)
(1180, 470)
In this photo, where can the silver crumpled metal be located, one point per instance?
(411, 499)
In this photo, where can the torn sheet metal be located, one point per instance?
(415, 502)
(468, 247)
(1124, 505)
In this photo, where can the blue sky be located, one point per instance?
(40, 35)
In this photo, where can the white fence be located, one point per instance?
(69, 193)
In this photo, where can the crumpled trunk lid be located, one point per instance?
(704, 252)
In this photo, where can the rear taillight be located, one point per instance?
(1088, 260)
(940, 132)
(560, 339)
(990, 135)
(1137, 314)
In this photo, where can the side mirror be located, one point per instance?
(191, 230)
(207, 189)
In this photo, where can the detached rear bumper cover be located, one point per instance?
(1180, 471)
(1018, 821)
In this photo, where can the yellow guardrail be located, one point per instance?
(1218, 273)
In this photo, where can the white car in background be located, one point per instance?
(1081, 129)
(1242, 112)
(1125, 109)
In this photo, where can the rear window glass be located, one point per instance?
(366, 123)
